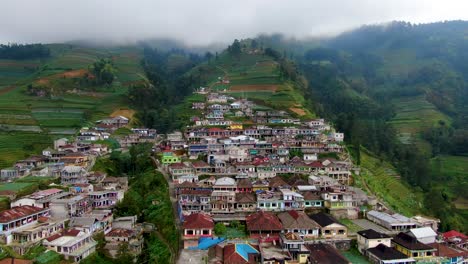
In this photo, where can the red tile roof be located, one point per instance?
(177, 166)
(453, 233)
(194, 192)
(120, 232)
(15, 261)
(18, 213)
(71, 232)
(200, 164)
(446, 251)
(263, 221)
(232, 256)
(197, 221)
(52, 238)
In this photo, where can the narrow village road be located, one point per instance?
(172, 196)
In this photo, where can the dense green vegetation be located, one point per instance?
(168, 85)
(400, 91)
(148, 198)
(21, 52)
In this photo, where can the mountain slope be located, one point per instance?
(401, 91)
(29, 121)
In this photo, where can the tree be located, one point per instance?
(235, 49)
(220, 229)
(103, 70)
(254, 44)
(208, 56)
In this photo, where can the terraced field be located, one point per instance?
(29, 123)
(381, 178)
(413, 116)
(256, 77)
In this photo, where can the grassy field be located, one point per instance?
(29, 123)
(381, 178)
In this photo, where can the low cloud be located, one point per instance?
(202, 22)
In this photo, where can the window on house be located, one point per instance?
(327, 232)
(206, 232)
(341, 232)
(189, 232)
(415, 254)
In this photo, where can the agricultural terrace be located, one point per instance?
(382, 180)
(413, 116)
(256, 77)
(30, 123)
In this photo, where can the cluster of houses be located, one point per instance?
(297, 237)
(289, 181)
(65, 217)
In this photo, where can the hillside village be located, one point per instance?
(250, 184)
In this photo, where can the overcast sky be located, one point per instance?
(203, 21)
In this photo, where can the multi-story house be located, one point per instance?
(29, 235)
(270, 201)
(14, 219)
(223, 201)
(73, 244)
(70, 206)
(412, 248)
(105, 199)
(178, 170)
(73, 175)
(194, 200)
(39, 199)
(292, 200)
(370, 238)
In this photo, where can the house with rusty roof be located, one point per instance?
(38, 199)
(19, 217)
(263, 224)
(29, 235)
(449, 253)
(133, 237)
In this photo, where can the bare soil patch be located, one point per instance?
(298, 111)
(68, 74)
(128, 113)
(7, 89)
(461, 203)
(74, 73)
(254, 87)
